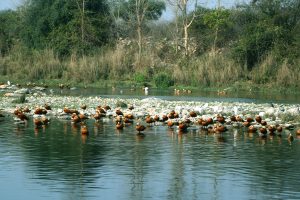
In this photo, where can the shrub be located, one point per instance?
(163, 80)
(139, 77)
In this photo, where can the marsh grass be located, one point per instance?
(208, 70)
(119, 64)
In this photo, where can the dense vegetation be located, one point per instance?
(91, 41)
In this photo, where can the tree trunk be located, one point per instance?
(186, 39)
(215, 41)
(82, 21)
(139, 32)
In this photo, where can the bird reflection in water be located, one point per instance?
(96, 128)
(84, 138)
(65, 127)
(74, 128)
(220, 138)
(36, 131)
(139, 137)
(262, 139)
(290, 138)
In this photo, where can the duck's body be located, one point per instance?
(156, 118)
(239, 119)
(40, 111)
(246, 124)
(140, 128)
(220, 128)
(263, 130)
(249, 119)
(164, 118)
(221, 119)
(149, 120)
(252, 129)
(263, 123)
(22, 116)
(119, 112)
(37, 122)
(170, 124)
(45, 120)
(258, 119)
(119, 125)
(271, 129)
(47, 107)
(82, 117)
(75, 118)
(233, 118)
(279, 129)
(193, 114)
(106, 107)
(182, 126)
(97, 116)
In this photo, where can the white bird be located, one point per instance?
(146, 90)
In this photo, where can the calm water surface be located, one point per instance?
(57, 162)
(196, 95)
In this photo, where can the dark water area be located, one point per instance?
(195, 95)
(57, 162)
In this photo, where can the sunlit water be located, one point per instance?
(57, 162)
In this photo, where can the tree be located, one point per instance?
(8, 30)
(217, 19)
(265, 26)
(66, 26)
(186, 18)
(137, 12)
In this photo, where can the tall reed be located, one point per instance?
(208, 70)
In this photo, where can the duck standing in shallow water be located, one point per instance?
(119, 125)
(182, 127)
(140, 128)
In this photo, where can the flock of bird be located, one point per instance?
(217, 124)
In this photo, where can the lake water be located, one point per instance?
(57, 162)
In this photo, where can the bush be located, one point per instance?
(139, 77)
(163, 80)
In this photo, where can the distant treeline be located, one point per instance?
(90, 41)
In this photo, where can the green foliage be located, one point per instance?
(139, 78)
(163, 80)
(217, 19)
(127, 12)
(264, 26)
(63, 26)
(153, 9)
(8, 30)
